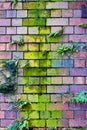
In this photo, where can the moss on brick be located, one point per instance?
(44, 98)
(34, 5)
(44, 30)
(34, 115)
(34, 38)
(34, 22)
(37, 123)
(51, 123)
(56, 114)
(44, 114)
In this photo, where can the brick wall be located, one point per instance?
(49, 75)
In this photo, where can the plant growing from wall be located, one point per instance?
(80, 98)
(68, 50)
(19, 123)
(20, 42)
(14, 2)
(9, 72)
(57, 33)
(83, 25)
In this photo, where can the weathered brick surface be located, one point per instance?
(50, 79)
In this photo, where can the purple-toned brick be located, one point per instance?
(75, 106)
(2, 14)
(68, 30)
(2, 114)
(77, 21)
(79, 114)
(10, 115)
(77, 13)
(77, 123)
(1, 98)
(11, 30)
(5, 22)
(11, 13)
(5, 5)
(78, 72)
(2, 30)
(68, 114)
(4, 106)
(57, 5)
(5, 123)
(79, 30)
(79, 80)
(77, 88)
(79, 63)
(76, 38)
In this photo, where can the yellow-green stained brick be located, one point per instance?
(34, 89)
(22, 48)
(45, 80)
(51, 123)
(34, 115)
(44, 13)
(34, 38)
(37, 123)
(34, 5)
(45, 47)
(37, 107)
(34, 63)
(34, 22)
(44, 98)
(35, 72)
(56, 114)
(25, 114)
(45, 63)
(44, 114)
(55, 39)
(33, 98)
(44, 30)
(33, 80)
(26, 80)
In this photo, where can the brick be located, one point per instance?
(67, 80)
(10, 115)
(1, 98)
(76, 38)
(45, 80)
(2, 47)
(18, 6)
(4, 38)
(56, 98)
(56, 106)
(11, 13)
(34, 115)
(68, 30)
(77, 21)
(2, 30)
(33, 98)
(10, 47)
(17, 55)
(21, 30)
(2, 14)
(51, 123)
(5, 22)
(75, 5)
(37, 123)
(77, 123)
(68, 114)
(5, 55)
(78, 72)
(56, 80)
(67, 13)
(57, 21)
(45, 63)
(33, 30)
(5, 123)
(77, 13)
(44, 30)
(4, 106)
(16, 22)
(44, 98)
(78, 107)
(11, 30)
(57, 5)
(80, 55)
(5, 5)
(55, 13)
(79, 114)
(57, 72)
(34, 5)
(34, 38)
(79, 80)
(56, 114)
(54, 29)
(2, 114)
(21, 13)
(79, 30)
(77, 88)
(37, 107)
(44, 114)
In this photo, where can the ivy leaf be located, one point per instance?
(57, 33)
(83, 25)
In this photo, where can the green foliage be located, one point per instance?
(84, 47)
(83, 25)
(57, 33)
(19, 124)
(14, 2)
(67, 50)
(20, 42)
(80, 98)
(45, 52)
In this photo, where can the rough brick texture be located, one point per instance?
(50, 78)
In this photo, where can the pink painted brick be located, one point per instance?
(78, 72)
(10, 115)
(86, 63)
(5, 55)
(10, 47)
(78, 123)
(68, 114)
(2, 30)
(5, 123)
(5, 5)
(57, 21)
(16, 22)
(11, 13)
(56, 106)
(86, 80)
(68, 30)
(4, 38)
(67, 80)
(55, 98)
(77, 21)
(79, 30)
(11, 30)
(20, 89)
(76, 38)
(79, 63)
(67, 13)
(2, 114)
(21, 13)
(4, 106)
(57, 89)
(2, 47)
(57, 5)
(79, 114)
(1, 98)
(77, 13)
(21, 30)
(76, 5)
(80, 55)
(79, 80)
(54, 29)
(2, 14)
(20, 72)
(5, 22)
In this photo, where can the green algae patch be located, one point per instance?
(44, 114)
(34, 22)
(44, 30)
(34, 5)
(37, 123)
(44, 98)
